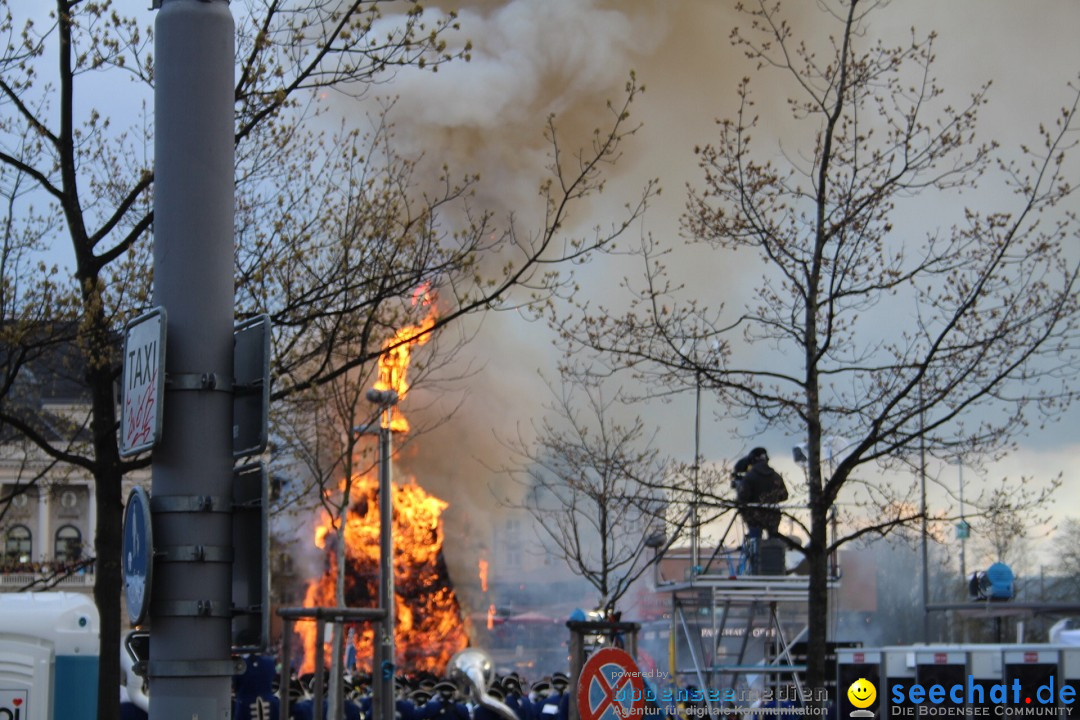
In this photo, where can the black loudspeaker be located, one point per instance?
(772, 555)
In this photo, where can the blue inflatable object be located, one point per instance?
(1000, 577)
(995, 584)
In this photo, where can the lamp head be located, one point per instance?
(382, 398)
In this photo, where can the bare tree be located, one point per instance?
(1007, 518)
(981, 329)
(591, 484)
(350, 234)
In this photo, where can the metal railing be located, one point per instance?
(729, 556)
(47, 576)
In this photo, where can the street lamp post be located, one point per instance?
(922, 512)
(384, 669)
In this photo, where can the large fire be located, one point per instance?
(429, 628)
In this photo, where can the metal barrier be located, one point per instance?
(321, 615)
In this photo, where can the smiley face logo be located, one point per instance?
(862, 693)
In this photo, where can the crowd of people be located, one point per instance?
(427, 697)
(421, 697)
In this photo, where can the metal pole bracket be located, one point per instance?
(210, 381)
(191, 608)
(196, 668)
(190, 504)
(194, 553)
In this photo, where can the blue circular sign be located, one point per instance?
(138, 555)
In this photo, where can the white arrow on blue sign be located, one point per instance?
(137, 555)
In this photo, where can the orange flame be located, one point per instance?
(491, 616)
(394, 362)
(483, 574)
(429, 629)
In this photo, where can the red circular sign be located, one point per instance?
(610, 687)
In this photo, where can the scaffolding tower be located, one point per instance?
(735, 630)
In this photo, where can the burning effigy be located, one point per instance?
(429, 628)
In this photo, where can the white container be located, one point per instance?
(49, 651)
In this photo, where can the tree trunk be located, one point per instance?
(108, 577)
(817, 559)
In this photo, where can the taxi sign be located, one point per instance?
(143, 386)
(137, 556)
(610, 687)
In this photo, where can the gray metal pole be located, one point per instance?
(925, 530)
(386, 671)
(319, 680)
(963, 539)
(285, 679)
(695, 531)
(190, 670)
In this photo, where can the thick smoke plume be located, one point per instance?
(532, 58)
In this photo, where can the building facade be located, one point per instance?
(48, 509)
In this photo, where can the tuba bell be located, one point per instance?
(472, 671)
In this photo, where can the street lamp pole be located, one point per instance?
(695, 532)
(925, 529)
(384, 670)
(963, 526)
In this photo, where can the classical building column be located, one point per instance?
(42, 545)
(91, 523)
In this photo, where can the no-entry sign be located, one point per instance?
(143, 383)
(610, 687)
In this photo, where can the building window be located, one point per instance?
(19, 544)
(68, 544)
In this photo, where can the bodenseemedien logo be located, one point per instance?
(862, 695)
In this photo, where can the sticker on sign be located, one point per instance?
(143, 386)
(13, 703)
